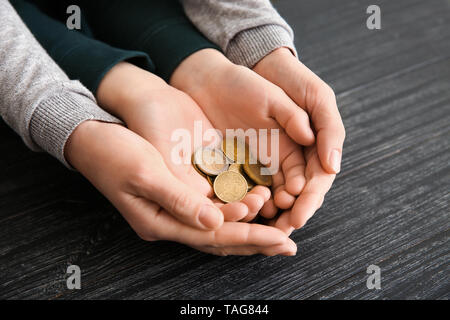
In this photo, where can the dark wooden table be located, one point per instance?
(389, 206)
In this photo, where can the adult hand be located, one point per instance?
(234, 97)
(314, 96)
(323, 160)
(318, 182)
(132, 174)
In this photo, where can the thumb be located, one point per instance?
(184, 203)
(293, 119)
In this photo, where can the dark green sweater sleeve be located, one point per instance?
(155, 35)
(158, 28)
(79, 55)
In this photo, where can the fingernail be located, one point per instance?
(289, 253)
(210, 216)
(335, 160)
(291, 248)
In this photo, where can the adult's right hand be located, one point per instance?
(131, 173)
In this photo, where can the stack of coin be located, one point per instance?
(229, 170)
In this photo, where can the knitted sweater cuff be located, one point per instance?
(57, 116)
(248, 47)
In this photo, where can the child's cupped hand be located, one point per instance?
(155, 111)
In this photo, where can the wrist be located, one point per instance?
(273, 59)
(77, 147)
(277, 67)
(198, 70)
(124, 86)
(282, 53)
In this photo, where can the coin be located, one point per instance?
(253, 170)
(230, 186)
(210, 180)
(250, 183)
(228, 147)
(210, 160)
(235, 149)
(236, 167)
(230, 182)
(196, 168)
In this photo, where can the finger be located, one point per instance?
(320, 103)
(218, 203)
(293, 167)
(247, 207)
(269, 210)
(255, 200)
(240, 233)
(254, 203)
(283, 222)
(162, 225)
(330, 133)
(262, 191)
(277, 180)
(294, 120)
(289, 248)
(139, 213)
(184, 203)
(313, 194)
(282, 199)
(234, 211)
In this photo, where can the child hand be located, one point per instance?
(154, 110)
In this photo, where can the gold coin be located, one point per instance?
(253, 170)
(235, 149)
(210, 161)
(228, 147)
(230, 186)
(236, 167)
(210, 180)
(250, 183)
(196, 168)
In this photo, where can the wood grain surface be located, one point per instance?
(388, 207)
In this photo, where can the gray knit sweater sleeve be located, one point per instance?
(246, 30)
(37, 99)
